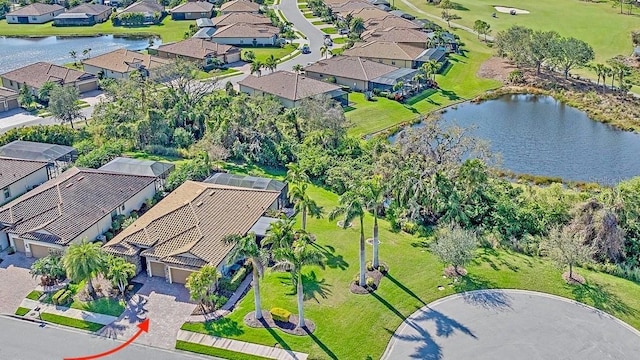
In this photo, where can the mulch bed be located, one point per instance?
(451, 272)
(575, 279)
(287, 327)
(363, 290)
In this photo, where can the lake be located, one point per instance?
(541, 136)
(18, 52)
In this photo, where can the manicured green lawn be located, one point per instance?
(319, 22)
(597, 23)
(22, 311)
(168, 30)
(344, 319)
(309, 15)
(458, 83)
(262, 53)
(106, 306)
(74, 323)
(211, 351)
(340, 40)
(216, 73)
(330, 30)
(34, 295)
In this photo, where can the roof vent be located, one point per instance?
(80, 178)
(68, 185)
(199, 204)
(211, 193)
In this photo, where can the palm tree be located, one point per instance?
(607, 71)
(271, 63)
(303, 203)
(297, 68)
(246, 247)
(84, 261)
(119, 272)
(293, 260)
(373, 194)
(296, 174)
(45, 90)
(280, 234)
(325, 51)
(352, 206)
(599, 69)
(357, 26)
(256, 68)
(74, 56)
(200, 284)
(433, 67)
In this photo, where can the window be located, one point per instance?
(393, 62)
(6, 192)
(122, 208)
(11, 82)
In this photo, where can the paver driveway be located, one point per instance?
(512, 324)
(166, 305)
(15, 281)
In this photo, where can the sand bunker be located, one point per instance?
(507, 10)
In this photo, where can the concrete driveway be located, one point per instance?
(166, 305)
(512, 324)
(15, 281)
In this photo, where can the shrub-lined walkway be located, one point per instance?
(240, 346)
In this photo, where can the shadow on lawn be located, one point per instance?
(495, 261)
(333, 261)
(322, 345)
(313, 287)
(601, 298)
(491, 299)
(283, 344)
(224, 327)
(404, 288)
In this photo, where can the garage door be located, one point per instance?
(39, 251)
(82, 88)
(157, 269)
(19, 243)
(179, 276)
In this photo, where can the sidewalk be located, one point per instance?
(68, 312)
(240, 346)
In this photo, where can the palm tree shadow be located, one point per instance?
(602, 299)
(478, 291)
(136, 309)
(322, 345)
(113, 330)
(224, 327)
(332, 261)
(313, 287)
(404, 288)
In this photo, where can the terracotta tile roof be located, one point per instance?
(36, 9)
(68, 205)
(123, 61)
(198, 48)
(144, 6)
(187, 227)
(396, 34)
(288, 85)
(390, 21)
(242, 30)
(12, 170)
(240, 6)
(386, 50)
(91, 9)
(35, 75)
(4, 92)
(345, 7)
(193, 6)
(351, 67)
(240, 17)
(366, 13)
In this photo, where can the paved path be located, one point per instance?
(25, 340)
(435, 17)
(15, 281)
(66, 312)
(240, 346)
(512, 324)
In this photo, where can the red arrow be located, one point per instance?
(143, 327)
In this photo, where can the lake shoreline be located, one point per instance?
(129, 36)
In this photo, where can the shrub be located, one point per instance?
(382, 269)
(356, 279)
(371, 283)
(409, 227)
(56, 297)
(108, 235)
(369, 266)
(53, 134)
(238, 277)
(279, 314)
(65, 298)
(161, 150)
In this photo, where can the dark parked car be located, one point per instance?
(343, 31)
(305, 49)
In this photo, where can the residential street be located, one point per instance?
(29, 341)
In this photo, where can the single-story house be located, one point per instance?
(152, 11)
(387, 81)
(36, 13)
(200, 51)
(387, 52)
(252, 182)
(365, 13)
(390, 21)
(247, 34)
(291, 88)
(186, 230)
(192, 10)
(118, 64)
(379, 2)
(402, 14)
(57, 157)
(8, 99)
(239, 6)
(344, 8)
(350, 71)
(400, 35)
(17, 176)
(444, 39)
(204, 23)
(84, 15)
(36, 74)
(156, 169)
(80, 204)
(240, 17)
